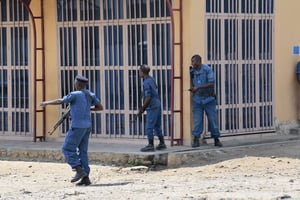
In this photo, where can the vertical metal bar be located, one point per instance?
(63, 71)
(83, 42)
(233, 77)
(116, 79)
(88, 45)
(229, 79)
(255, 72)
(2, 122)
(249, 66)
(108, 77)
(88, 10)
(248, 69)
(83, 35)
(14, 72)
(165, 80)
(256, 57)
(26, 45)
(106, 116)
(268, 67)
(1, 78)
(239, 63)
(267, 61)
(23, 76)
(0, 17)
(245, 68)
(235, 55)
(271, 62)
(17, 96)
(12, 52)
(93, 11)
(131, 72)
(141, 28)
(263, 106)
(8, 74)
(18, 76)
(154, 26)
(68, 50)
(253, 66)
(116, 68)
(134, 54)
(160, 67)
(120, 68)
(93, 69)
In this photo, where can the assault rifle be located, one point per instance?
(61, 120)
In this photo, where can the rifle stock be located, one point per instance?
(60, 121)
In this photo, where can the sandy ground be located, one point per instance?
(241, 178)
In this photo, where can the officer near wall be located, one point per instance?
(152, 104)
(204, 100)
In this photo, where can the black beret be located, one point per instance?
(81, 79)
(145, 69)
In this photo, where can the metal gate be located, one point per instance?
(240, 50)
(107, 40)
(15, 115)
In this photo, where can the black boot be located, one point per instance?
(149, 147)
(80, 173)
(218, 143)
(85, 181)
(196, 142)
(161, 144)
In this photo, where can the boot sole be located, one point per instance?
(80, 177)
(150, 150)
(160, 148)
(83, 184)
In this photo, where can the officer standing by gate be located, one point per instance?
(152, 104)
(204, 99)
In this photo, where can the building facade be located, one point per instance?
(248, 43)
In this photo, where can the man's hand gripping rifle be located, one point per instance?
(61, 120)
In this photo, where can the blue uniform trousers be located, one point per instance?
(75, 148)
(153, 123)
(212, 117)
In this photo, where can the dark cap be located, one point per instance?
(145, 69)
(81, 79)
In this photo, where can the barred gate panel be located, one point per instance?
(107, 40)
(240, 50)
(15, 115)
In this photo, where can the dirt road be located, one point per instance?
(267, 172)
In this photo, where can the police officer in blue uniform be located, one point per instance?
(204, 100)
(152, 104)
(75, 147)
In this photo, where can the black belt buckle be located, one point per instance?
(206, 94)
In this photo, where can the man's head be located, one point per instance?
(80, 82)
(196, 60)
(144, 71)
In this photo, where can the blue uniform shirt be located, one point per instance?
(150, 89)
(81, 107)
(200, 77)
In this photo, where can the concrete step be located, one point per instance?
(127, 153)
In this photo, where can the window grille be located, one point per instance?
(107, 40)
(240, 50)
(15, 115)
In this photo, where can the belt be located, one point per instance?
(206, 94)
